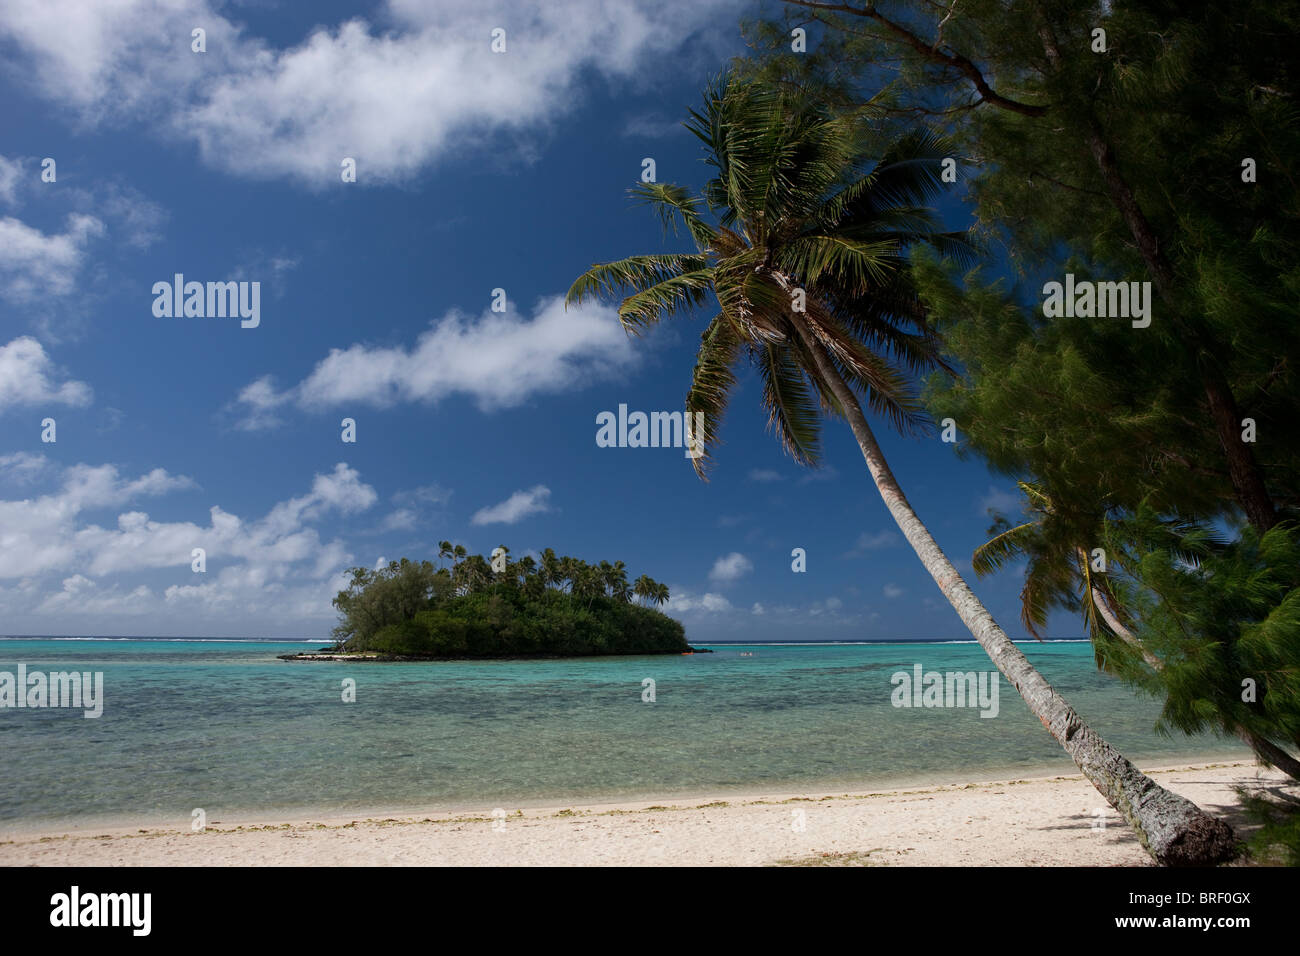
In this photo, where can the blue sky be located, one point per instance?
(475, 171)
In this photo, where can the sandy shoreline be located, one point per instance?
(1034, 821)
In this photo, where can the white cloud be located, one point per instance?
(873, 542)
(82, 596)
(653, 126)
(515, 508)
(120, 211)
(892, 590)
(28, 377)
(261, 571)
(33, 264)
(22, 467)
(258, 401)
(43, 534)
(415, 506)
(99, 486)
(132, 219)
(341, 491)
(432, 494)
(258, 265)
(396, 95)
(679, 602)
(403, 519)
(500, 360)
(11, 171)
(49, 271)
(730, 567)
(764, 475)
(49, 533)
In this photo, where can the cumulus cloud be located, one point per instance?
(109, 207)
(680, 602)
(395, 95)
(28, 377)
(50, 532)
(730, 567)
(22, 467)
(257, 402)
(34, 264)
(44, 533)
(55, 273)
(273, 569)
(830, 605)
(341, 491)
(515, 508)
(500, 359)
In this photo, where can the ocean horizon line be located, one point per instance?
(313, 640)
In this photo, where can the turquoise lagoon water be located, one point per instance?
(227, 727)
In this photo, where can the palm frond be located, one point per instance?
(674, 203)
(649, 306)
(848, 263)
(791, 405)
(1007, 546)
(711, 384)
(635, 273)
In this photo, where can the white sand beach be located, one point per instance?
(1040, 821)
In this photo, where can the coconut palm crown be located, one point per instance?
(805, 252)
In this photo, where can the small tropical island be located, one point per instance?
(469, 606)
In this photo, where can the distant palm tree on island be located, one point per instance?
(807, 263)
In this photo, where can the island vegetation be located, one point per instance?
(469, 606)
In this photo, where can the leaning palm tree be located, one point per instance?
(805, 257)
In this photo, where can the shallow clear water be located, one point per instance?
(227, 727)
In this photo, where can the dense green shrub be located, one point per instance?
(559, 606)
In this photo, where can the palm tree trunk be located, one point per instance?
(1101, 602)
(1171, 828)
(1267, 751)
